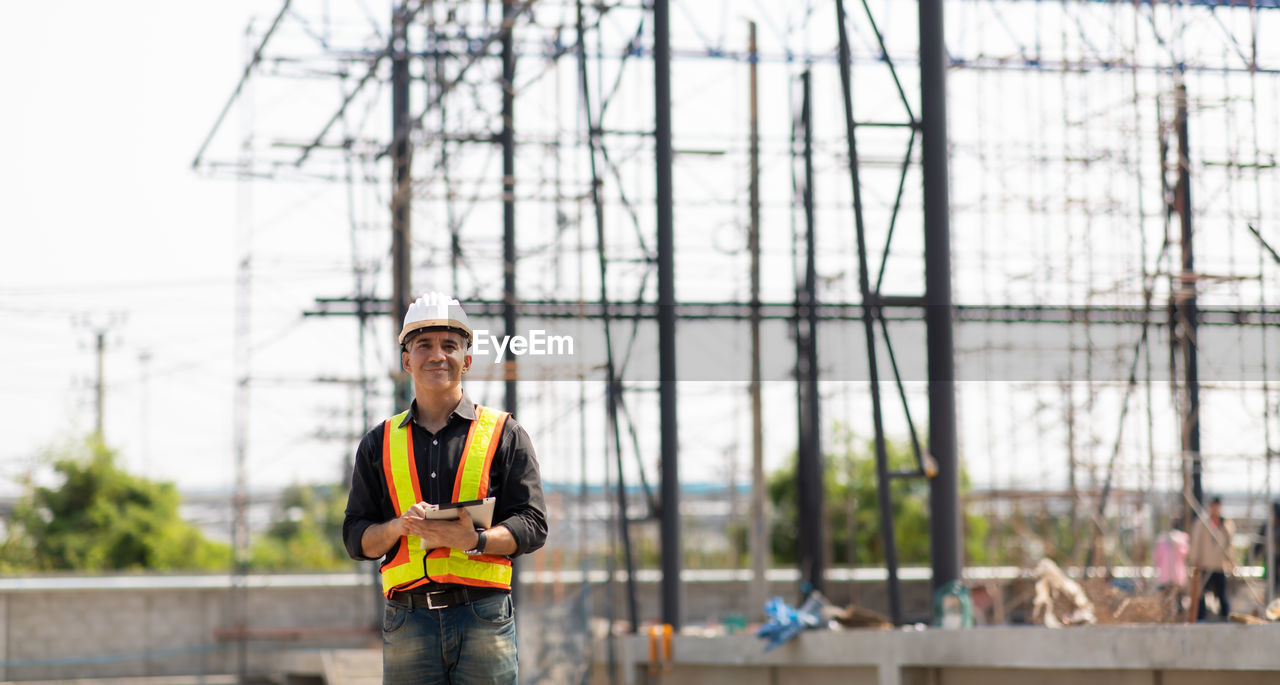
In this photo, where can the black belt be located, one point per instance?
(442, 599)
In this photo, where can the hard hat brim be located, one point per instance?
(449, 324)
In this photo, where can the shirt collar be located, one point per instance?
(466, 409)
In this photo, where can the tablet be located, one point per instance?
(481, 511)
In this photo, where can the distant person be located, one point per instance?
(1260, 547)
(1170, 558)
(449, 617)
(1210, 555)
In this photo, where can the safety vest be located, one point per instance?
(413, 566)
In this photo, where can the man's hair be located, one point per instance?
(1216, 500)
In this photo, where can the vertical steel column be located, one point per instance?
(809, 458)
(758, 542)
(509, 299)
(402, 187)
(671, 548)
(944, 488)
(1185, 302)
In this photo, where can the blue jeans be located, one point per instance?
(464, 645)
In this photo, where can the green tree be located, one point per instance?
(852, 507)
(305, 533)
(101, 518)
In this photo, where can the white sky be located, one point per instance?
(105, 105)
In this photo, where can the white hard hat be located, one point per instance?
(435, 310)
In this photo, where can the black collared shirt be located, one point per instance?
(513, 479)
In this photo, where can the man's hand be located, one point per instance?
(459, 533)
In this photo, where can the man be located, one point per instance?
(449, 616)
(1210, 555)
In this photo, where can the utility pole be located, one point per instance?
(144, 360)
(758, 541)
(402, 193)
(239, 592)
(99, 389)
(99, 329)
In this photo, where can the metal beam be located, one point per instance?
(758, 540)
(869, 314)
(670, 447)
(812, 521)
(944, 487)
(508, 140)
(244, 78)
(402, 191)
(1185, 301)
(825, 311)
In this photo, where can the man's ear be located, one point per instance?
(466, 362)
(404, 361)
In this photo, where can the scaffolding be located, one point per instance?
(1116, 332)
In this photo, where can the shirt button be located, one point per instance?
(435, 442)
(433, 474)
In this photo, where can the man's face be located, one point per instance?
(436, 359)
(1215, 510)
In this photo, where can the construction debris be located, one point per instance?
(785, 622)
(1059, 601)
(1273, 610)
(1114, 606)
(854, 616)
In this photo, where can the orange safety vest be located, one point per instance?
(413, 566)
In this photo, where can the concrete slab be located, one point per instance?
(1109, 655)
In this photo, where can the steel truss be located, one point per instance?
(558, 94)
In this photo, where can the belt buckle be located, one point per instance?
(431, 603)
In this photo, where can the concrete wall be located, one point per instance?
(65, 628)
(55, 631)
(1205, 654)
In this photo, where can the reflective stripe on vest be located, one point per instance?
(401, 471)
(409, 569)
(445, 565)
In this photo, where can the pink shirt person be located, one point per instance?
(1170, 558)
